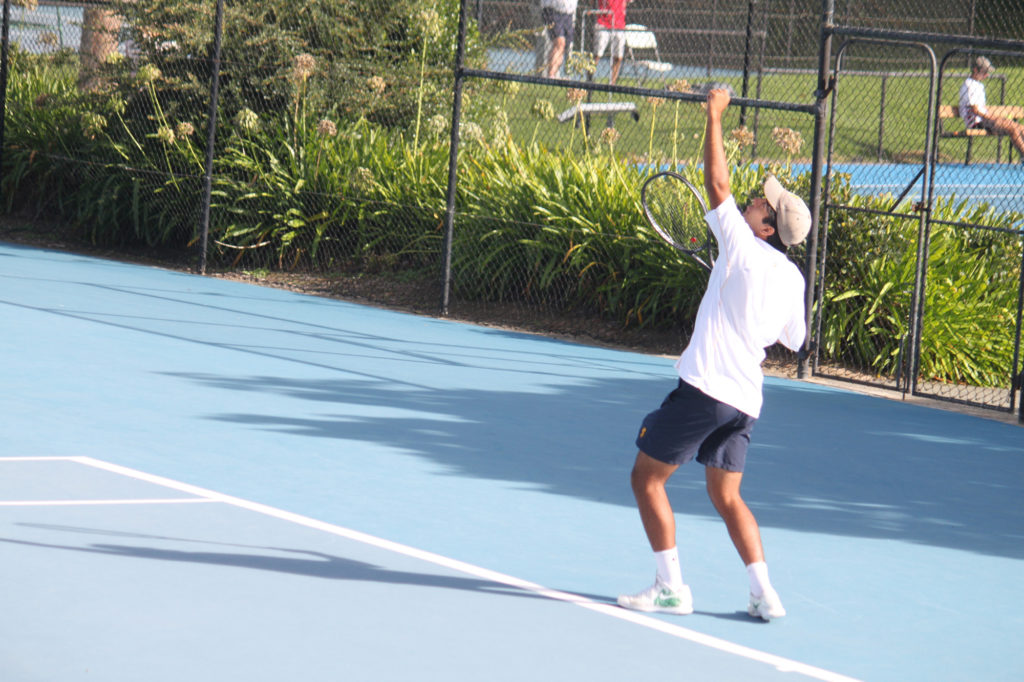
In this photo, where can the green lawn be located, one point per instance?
(862, 132)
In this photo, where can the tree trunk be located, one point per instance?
(100, 30)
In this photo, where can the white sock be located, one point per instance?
(758, 574)
(669, 570)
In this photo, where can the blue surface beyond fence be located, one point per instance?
(1000, 185)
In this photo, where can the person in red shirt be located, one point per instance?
(610, 33)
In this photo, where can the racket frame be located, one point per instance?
(694, 253)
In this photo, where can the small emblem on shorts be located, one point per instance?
(643, 430)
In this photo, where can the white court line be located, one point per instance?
(71, 503)
(34, 459)
(75, 503)
(780, 663)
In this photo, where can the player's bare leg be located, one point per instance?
(555, 60)
(648, 479)
(616, 67)
(724, 490)
(1004, 126)
(668, 594)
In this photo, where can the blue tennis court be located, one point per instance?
(207, 480)
(999, 185)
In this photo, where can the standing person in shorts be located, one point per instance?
(609, 34)
(754, 298)
(559, 16)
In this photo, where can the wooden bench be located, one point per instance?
(949, 112)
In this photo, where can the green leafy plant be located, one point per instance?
(968, 309)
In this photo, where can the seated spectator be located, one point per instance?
(974, 111)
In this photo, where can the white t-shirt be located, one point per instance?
(755, 298)
(972, 92)
(562, 6)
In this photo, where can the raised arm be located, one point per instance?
(716, 170)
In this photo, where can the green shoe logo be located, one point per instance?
(667, 598)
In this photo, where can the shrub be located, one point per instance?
(350, 43)
(298, 185)
(970, 299)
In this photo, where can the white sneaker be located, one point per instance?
(767, 606)
(661, 598)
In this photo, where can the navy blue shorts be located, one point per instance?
(560, 25)
(691, 423)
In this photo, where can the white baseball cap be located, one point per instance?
(794, 218)
(983, 65)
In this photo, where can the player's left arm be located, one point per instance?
(716, 169)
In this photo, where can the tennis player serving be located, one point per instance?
(754, 298)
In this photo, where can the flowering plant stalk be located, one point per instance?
(544, 110)
(430, 23)
(655, 102)
(789, 141)
(303, 67)
(678, 85)
(575, 96)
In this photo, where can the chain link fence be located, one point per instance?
(328, 148)
(920, 281)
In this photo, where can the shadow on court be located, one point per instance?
(307, 563)
(822, 460)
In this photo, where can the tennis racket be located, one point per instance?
(676, 209)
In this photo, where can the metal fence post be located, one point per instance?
(881, 117)
(924, 232)
(746, 60)
(817, 160)
(453, 160)
(4, 62)
(211, 136)
(1017, 378)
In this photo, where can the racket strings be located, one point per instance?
(678, 211)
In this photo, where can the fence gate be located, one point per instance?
(920, 285)
(868, 294)
(972, 289)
